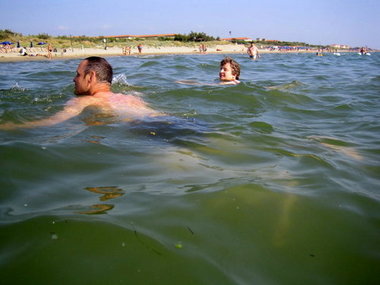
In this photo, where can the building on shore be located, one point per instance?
(237, 39)
(337, 46)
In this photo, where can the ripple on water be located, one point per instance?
(149, 63)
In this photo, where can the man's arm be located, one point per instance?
(72, 108)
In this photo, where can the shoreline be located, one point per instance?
(147, 50)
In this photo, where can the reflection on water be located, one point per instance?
(97, 209)
(95, 139)
(283, 226)
(95, 116)
(107, 193)
(338, 145)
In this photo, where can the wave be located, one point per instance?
(120, 79)
(150, 64)
(291, 85)
(17, 87)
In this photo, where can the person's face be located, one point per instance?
(226, 73)
(81, 80)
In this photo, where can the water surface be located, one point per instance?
(272, 181)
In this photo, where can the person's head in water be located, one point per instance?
(229, 70)
(92, 72)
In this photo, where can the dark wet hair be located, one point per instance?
(234, 66)
(102, 68)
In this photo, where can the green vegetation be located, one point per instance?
(6, 34)
(194, 37)
(43, 36)
(98, 42)
(190, 40)
(59, 42)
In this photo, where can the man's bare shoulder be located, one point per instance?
(126, 99)
(78, 104)
(124, 105)
(82, 100)
(133, 105)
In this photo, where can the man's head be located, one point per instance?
(229, 70)
(91, 72)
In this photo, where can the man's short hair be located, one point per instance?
(101, 67)
(234, 66)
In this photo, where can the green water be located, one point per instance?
(273, 181)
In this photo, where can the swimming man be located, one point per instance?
(93, 88)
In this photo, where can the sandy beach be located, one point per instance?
(41, 53)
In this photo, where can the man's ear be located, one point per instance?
(92, 77)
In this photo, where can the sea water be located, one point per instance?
(272, 181)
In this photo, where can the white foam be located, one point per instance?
(120, 79)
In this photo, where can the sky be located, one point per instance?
(351, 22)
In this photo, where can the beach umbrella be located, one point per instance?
(41, 43)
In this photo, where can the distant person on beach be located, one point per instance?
(50, 50)
(202, 48)
(93, 88)
(127, 50)
(23, 51)
(31, 47)
(139, 47)
(253, 52)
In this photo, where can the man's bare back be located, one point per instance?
(121, 105)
